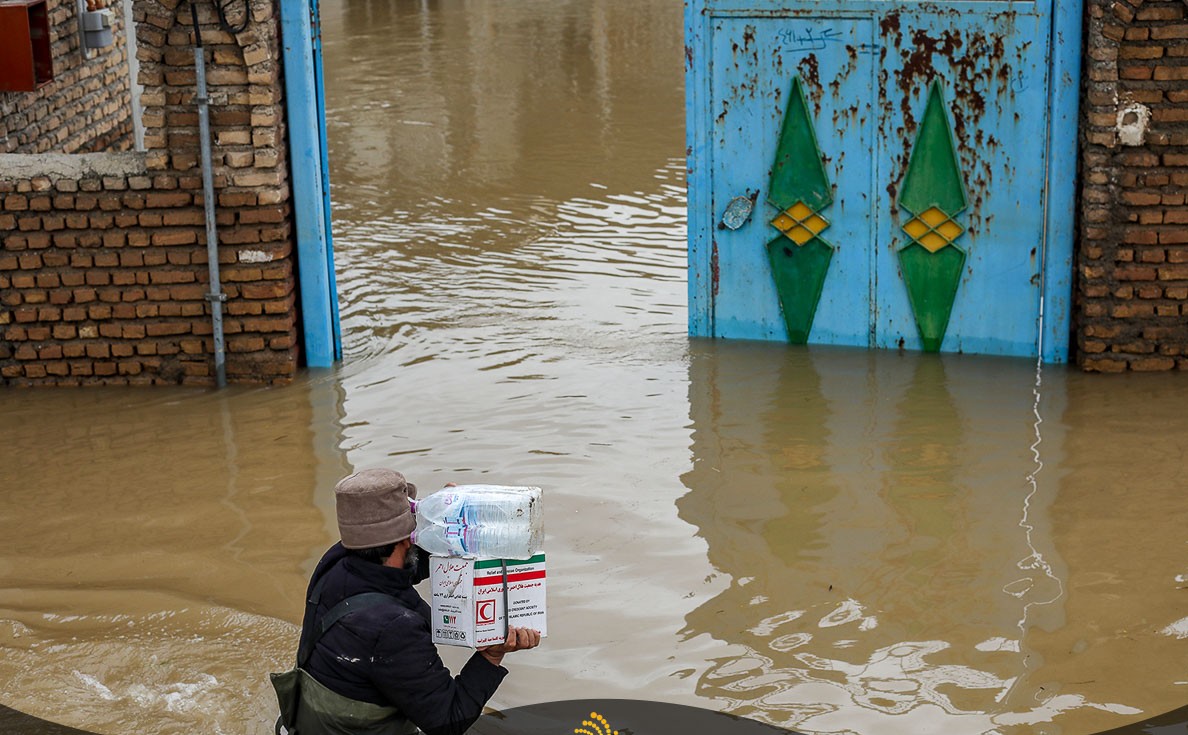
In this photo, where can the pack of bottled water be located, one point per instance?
(480, 522)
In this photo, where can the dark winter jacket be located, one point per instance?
(385, 654)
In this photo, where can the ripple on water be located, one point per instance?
(176, 671)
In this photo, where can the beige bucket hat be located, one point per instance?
(373, 509)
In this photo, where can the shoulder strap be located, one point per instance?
(354, 603)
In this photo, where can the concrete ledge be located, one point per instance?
(17, 166)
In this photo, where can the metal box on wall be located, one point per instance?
(26, 61)
(97, 31)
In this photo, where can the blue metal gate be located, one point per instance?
(883, 174)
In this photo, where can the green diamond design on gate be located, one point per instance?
(933, 194)
(799, 189)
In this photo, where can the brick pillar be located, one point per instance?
(1132, 279)
(103, 267)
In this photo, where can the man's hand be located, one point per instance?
(518, 639)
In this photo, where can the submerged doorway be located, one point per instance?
(883, 174)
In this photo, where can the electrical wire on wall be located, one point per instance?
(244, 15)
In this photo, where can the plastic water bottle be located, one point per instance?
(480, 522)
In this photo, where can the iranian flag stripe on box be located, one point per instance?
(518, 570)
(498, 563)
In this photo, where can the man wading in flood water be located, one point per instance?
(367, 662)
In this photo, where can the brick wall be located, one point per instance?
(87, 107)
(1132, 280)
(103, 261)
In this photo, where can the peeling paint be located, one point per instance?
(254, 256)
(1133, 120)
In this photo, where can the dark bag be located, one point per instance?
(288, 691)
(320, 711)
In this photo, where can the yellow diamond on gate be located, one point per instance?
(933, 229)
(950, 230)
(816, 224)
(915, 229)
(783, 223)
(800, 223)
(933, 242)
(933, 217)
(800, 211)
(800, 235)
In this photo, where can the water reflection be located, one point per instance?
(1119, 522)
(888, 553)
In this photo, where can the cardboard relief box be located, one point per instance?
(471, 600)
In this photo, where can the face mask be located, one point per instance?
(416, 563)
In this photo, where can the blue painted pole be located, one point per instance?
(701, 268)
(321, 89)
(314, 257)
(1063, 140)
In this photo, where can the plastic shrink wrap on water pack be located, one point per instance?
(481, 522)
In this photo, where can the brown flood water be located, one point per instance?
(830, 540)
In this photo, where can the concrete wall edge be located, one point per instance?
(18, 166)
